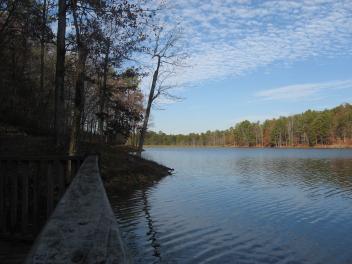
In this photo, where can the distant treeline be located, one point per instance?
(311, 128)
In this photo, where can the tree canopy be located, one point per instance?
(64, 67)
(311, 128)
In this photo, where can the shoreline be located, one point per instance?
(120, 170)
(239, 147)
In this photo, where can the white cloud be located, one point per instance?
(302, 91)
(230, 38)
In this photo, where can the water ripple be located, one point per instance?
(242, 206)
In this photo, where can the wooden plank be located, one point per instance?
(3, 169)
(35, 201)
(7, 186)
(65, 170)
(50, 189)
(61, 176)
(74, 168)
(42, 193)
(14, 194)
(24, 169)
(68, 172)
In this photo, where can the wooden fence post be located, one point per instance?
(14, 195)
(60, 177)
(35, 199)
(24, 194)
(3, 172)
(50, 189)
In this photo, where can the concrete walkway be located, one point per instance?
(83, 228)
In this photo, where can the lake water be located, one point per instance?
(227, 205)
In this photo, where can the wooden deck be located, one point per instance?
(81, 229)
(30, 187)
(14, 251)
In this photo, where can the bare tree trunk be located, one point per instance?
(103, 91)
(79, 104)
(42, 47)
(60, 74)
(79, 86)
(149, 105)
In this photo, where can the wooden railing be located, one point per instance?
(82, 228)
(30, 188)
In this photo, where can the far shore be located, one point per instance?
(254, 147)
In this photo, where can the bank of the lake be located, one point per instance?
(334, 146)
(121, 170)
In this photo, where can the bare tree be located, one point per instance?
(60, 72)
(42, 44)
(168, 55)
(85, 28)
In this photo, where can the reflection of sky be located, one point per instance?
(247, 56)
(266, 205)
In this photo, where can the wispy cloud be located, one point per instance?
(230, 38)
(302, 91)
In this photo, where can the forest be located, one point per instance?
(67, 68)
(331, 127)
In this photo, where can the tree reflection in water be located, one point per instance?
(152, 233)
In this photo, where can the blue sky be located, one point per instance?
(256, 60)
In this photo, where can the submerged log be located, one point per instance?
(82, 228)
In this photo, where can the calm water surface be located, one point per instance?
(242, 206)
